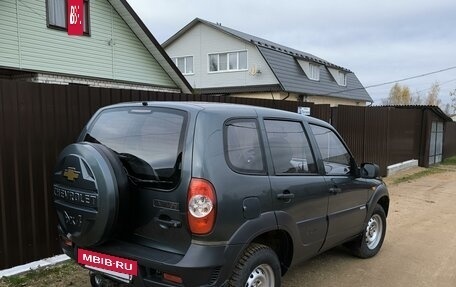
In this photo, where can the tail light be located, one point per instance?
(201, 206)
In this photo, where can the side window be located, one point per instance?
(335, 156)
(290, 149)
(242, 146)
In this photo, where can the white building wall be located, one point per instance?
(202, 40)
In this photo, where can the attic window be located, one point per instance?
(231, 61)
(185, 64)
(342, 78)
(56, 12)
(311, 70)
(339, 76)
(314, 72)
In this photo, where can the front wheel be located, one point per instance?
(371, 240)
(258, 266)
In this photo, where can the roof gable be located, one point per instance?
(145, 36)
(283, 62)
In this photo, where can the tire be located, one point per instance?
(90, 191)
(98, 280)
(368, 244)
(259, 263)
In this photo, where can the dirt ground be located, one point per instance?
(419, 248)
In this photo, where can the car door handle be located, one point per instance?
(167, 223)
(285, 196)
(335, 190)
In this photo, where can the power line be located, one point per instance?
(410, 78)
(440, 84)
(395, 81)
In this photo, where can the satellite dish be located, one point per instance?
(254, 70)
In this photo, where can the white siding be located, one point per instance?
(202, 40)
(112, 51)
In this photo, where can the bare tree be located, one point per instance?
(447, 109)
(416, 100)
(399, 95)
(432, 97)
(453, 101)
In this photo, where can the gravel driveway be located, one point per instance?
(419, 248)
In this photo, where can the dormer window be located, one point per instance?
(342, 81)
(314, 72)
(311, 70)
(339, 76)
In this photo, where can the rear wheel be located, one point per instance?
(371, 240)
(98, 280)
(258, 266)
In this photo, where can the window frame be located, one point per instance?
(352, 162)
(227, 70)
(60, 28)
(342, 78)
(238, 170)
(185, 73)
(309, 142)
(314, 67)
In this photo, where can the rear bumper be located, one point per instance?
(202, 265)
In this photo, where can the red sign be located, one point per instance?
(75, 16)
(107, 262)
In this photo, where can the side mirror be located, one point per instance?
(369, 170)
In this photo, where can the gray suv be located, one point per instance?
(208, 194)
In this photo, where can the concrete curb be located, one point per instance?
(33, 265)
(395, 168)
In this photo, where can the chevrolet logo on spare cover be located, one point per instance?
(71, 173)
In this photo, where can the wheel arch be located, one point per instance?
(281, 243)
(384, 203)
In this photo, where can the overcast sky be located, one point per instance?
(380, 41)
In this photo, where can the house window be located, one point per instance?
(314, 72)
(185, 64)
(231, 61)
(342, 81)
(341, 78)
(57, 15)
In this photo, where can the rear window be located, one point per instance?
(147, 140)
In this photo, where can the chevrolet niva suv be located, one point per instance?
(210, 194)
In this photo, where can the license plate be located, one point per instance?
(118, 267)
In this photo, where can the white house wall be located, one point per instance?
(201, 40)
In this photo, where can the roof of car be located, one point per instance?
(225, 108)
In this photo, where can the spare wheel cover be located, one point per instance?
(88, 182)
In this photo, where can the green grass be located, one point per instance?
(39, 277)
(450, 161)
(420, 174)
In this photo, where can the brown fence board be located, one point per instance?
(449, 140)
(350, 124)
(38, 120)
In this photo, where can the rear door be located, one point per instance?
(151, 143)
(300, 195)
(347, 194)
